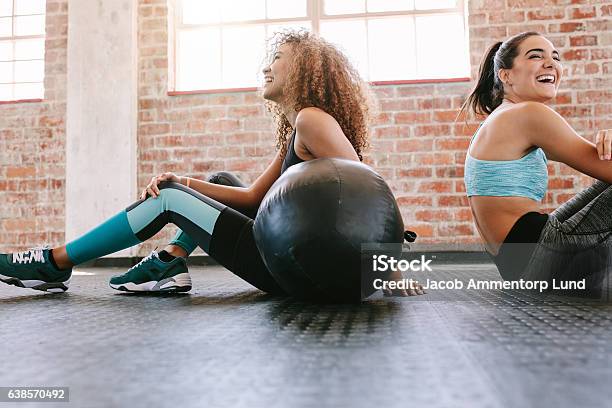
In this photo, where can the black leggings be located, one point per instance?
(572, 243)
(232, 243)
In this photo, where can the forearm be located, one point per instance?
(236, 197)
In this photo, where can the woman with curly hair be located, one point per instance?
(506, 174)
(321, 108)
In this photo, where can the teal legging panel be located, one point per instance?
(145, 218)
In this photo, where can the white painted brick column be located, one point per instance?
(102, 114)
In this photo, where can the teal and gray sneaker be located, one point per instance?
(32, 269)
(154, 275)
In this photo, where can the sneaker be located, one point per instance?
(32, 269)
(154, 275)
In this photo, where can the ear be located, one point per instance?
(504, 76)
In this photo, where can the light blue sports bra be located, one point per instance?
(524, 177)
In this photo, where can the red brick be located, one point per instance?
(423, 201)
(559, 183)
(455, 230)
(432, 130)
(433, 215)
(445, 116)
(386, 132)
(414, 90)
(422, 230)
(603, 53)
(447, 172)
(582, 12)
(452, 200)
(421, 172)
(414, 145)
(576, 54)
(435, 187)
(412, 117)
(566, 27)
(452, 143)
(546, 14)
(594, 96)
(20, 172)
(583, 40)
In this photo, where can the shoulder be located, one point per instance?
(529, 112)
(312, 117)
(527, 117)
(312, 123)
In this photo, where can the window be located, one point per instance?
(220, 44)
(22, 49)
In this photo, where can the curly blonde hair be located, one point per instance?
(321, 76)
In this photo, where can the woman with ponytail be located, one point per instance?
(506, 172)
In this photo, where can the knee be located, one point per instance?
(167, 184)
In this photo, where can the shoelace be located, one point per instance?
(30, 255)
(152, 255)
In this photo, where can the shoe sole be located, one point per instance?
(177, 283)
(52, 287)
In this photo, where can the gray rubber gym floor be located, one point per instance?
(227, 345)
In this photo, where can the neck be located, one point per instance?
(290, 114)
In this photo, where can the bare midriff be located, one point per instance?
(495, 217)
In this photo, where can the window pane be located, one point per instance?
(351, 37)
(29, 7)
(243, 10)
(6, 72)
(435, 4)
(30, 25)
(6, 29)
(30, 49)
(29, 91)
(284, 8)
(198, 59)
(243, 55)
(390, 5)
(201, 12)
(343, 6)
(441, 55)
(274, 28)
(392, 60)
(6, 7)
(6, 50)
(6, 92)
(29, 71)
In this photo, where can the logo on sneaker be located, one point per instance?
(29, 256)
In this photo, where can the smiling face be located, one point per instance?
(535, 73)
(275, 73)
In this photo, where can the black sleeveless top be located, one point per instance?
(290, 158)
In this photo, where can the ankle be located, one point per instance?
(59, 259)
(176, 251)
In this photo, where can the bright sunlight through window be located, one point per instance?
(221, 44)
(22, 49)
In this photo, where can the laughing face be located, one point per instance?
(535, 73)
(276, 72)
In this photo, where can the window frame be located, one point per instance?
(314, 14)
(13, 38)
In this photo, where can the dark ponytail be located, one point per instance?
(488, 93)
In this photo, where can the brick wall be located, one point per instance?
(416, 144)
(32, 151)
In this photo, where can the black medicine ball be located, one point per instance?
(311, 224)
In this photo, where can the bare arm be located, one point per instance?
(547, 129)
